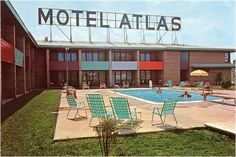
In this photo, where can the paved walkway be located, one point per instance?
(189, 115)
(228, 126)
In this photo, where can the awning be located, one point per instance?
(212, 65)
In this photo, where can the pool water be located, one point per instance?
(152, 95)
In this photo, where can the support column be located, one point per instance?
(138, 69)
(47, 67)
(14, 44)
(80, 71)
(110, 69)
(1, 77)
(23, 42)
(28, 67)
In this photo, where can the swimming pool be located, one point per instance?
(153, 96)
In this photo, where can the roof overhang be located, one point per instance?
(212, 65)
(128, 46)
(15, 14)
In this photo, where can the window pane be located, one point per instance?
(83, 56)
(61, 76)
(142, 75)
(129, 56)
(123, 56)
(73, 57)
(227, 57)
(117, 56)
(148, 75)
(67, 56)
(118, 77)
(102, 56)
(184, 56)
(148, 57)
(129, 75)
(113, 56)
(142, 56)
(123, 75)
(84, 76)
(95, 56)
(89, 56)
(60, 56)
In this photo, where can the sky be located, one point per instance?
(204, 23)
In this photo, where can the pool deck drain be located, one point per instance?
(188, 115)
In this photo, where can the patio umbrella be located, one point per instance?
(199, 73)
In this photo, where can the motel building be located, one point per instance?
(27, 64)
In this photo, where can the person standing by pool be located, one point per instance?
(159, 84)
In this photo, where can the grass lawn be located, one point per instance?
(30, 130)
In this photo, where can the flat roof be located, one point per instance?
(213, 65)
(129, 46)
(113, 45)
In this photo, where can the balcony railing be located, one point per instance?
(55, 65)
(94, 65)
(153, 65)
(7, 52)
(124, 65)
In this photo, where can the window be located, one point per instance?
(117, 78)
(95, 56)
(123, 75)
(117, 56)
(89, 56)
(123, 56)
(73, 57)
(145, 76)
(129, 56)
(83, 56)
(148, 56)
(145, 56)
(102, 56)
(61, 57)
(142, 56)
(184, 57)
(227, 57)
(67, 56)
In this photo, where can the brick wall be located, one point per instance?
(171, 66)
(212, 75)
(206, 57)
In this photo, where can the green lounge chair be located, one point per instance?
(97, 107)
(182, 84)
(74, 106)
(121, 109)
(200, 84)
(170, 83)
(168, 108)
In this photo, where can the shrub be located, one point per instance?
(107, 133)
(218, 78)
(226, 83)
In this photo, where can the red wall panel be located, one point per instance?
(151, 65)
(62, 65)
(7, 51)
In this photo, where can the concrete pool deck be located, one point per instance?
(189, 115)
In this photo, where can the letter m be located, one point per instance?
(45, 18)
